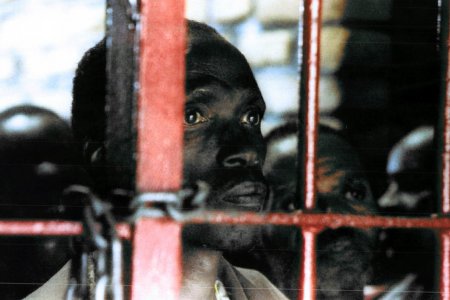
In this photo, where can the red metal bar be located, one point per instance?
(70, 228)
(310, 104)
(157, 268)
(321, 221)
(63, 228)
(157, 264)
(60, 228)
(308, 267)
(445, 181)
(445, 265)
(161, 98)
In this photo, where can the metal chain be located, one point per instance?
(178, 206)
(101, 242)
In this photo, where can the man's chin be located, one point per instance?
(222, 237)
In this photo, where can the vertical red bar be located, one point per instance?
(157, 263)
(446, 134)
(310, 112)
(445, 176)
(161, 98)
(445, 264)
(156, 260)
(311, 65)
(307, 282)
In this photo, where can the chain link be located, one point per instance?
(178, 206)
(101, 243)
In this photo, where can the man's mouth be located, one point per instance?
(248, 195)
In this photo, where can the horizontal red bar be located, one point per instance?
(320, 221)
(60, 228)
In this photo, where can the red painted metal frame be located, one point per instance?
(310, 107)
(157, 253)
(445, 264)
(308, 272)
(445, 179)
(156, 262)
(445, 163)
(157, 242)
(321, 221)
(306, 221)
(55, 228)
(161, 96)
(61, 228)
(311, 65)
(164, 172)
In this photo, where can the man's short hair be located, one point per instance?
(89, 92)
(89, 85)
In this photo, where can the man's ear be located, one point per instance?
(93, 153)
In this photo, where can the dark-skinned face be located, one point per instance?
(223, 145)
(411, 171)
(223, 142)
(343, 255)
(340, 182)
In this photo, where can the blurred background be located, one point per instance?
(41, 43)
(380, 67)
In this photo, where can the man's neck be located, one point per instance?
(200, 269)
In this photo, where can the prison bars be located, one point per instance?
(157, 267)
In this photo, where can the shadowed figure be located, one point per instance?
(37, 162)
(411, 170)
(407, 257)
(343, 255)
(223, 146)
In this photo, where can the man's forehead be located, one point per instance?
(210, 54)
(338, 152)
(204, 89)
(209, 92)
(231, 70)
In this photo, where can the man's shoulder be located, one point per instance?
(254, 284)
(260, 282)
(55, 287)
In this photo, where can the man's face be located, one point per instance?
(411, 172)
(341, 185)
(340, 182)
(343, 255)
(223, 142)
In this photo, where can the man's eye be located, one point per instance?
(355, 193)
(194, 116)
(252, 118)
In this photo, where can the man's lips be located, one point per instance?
(248, 194)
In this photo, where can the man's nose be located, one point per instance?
(242, 159)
